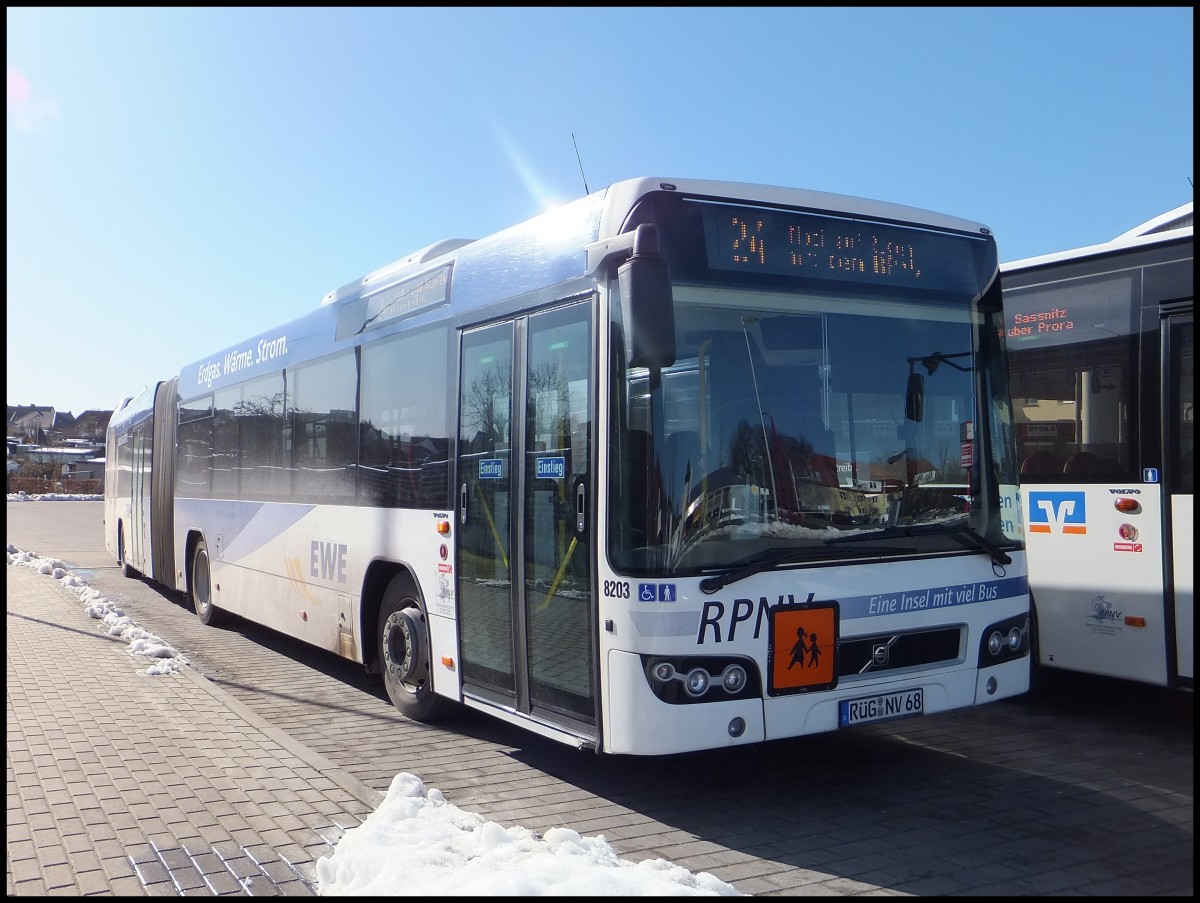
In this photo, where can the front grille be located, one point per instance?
(894, 651)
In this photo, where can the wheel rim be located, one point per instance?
(200, 585)
(403, 652)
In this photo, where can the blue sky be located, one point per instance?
(182, 178)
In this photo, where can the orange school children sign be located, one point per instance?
(803, 652)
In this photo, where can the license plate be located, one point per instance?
(882, 707)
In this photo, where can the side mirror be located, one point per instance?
(914, 398)
(647, 306)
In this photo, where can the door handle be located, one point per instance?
(462, 504)
(580, 508)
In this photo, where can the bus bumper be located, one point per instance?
(638, 723)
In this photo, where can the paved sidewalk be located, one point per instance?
(123, 783)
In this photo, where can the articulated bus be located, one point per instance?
(678, 465)
(1100, 357)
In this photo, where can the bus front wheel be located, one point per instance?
(1038, 673)
(404, 655)
(201, 587)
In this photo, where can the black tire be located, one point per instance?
(1037, 671)
(201, 587)
(404, 655)
(127, 570)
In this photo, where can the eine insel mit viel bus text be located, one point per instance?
(677, 466)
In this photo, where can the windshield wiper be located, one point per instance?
(759, 562)
(972, 537)
(772, 558)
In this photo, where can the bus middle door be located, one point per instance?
(138, 553)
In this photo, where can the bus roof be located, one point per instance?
(1174, 224)
(452, 276)
(1179, 218)
(133, 410)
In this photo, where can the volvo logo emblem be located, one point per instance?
(879, 654)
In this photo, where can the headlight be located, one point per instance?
(1004, 641)
(697, 681)
(733, 678)
(664, 671)
(1014, 639)
(996, 642)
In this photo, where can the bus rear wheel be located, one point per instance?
(201, 587)
(127, 570)
(404, 655)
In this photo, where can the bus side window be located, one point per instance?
(1086, 463)
(1041, 463)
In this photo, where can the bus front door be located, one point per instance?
(526, 609)
(1178, 394)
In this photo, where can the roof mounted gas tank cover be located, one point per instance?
(416, 258)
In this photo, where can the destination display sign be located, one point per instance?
(1082, 310)
(840, 249)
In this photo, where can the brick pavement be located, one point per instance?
(123, 783)
(1082, 789)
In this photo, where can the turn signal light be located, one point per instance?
(1134, 621)
(1127, 505)
(443, 527)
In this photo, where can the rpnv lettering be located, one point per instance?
(742, 610)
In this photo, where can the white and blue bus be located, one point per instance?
(679, 465)
(1100, 343)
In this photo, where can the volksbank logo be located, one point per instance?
(1057, 512)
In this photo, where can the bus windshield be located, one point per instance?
(802, 425)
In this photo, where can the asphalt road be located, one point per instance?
(1084, 786)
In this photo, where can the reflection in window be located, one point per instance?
(1180, 410)
(259, 415)
(776, 427)
(405, 438)
(557, 452)
(1072, 357)
(195, 445)
(324, 428)
(226, 443)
